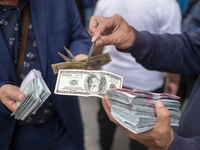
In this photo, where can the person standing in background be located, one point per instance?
(155, 16)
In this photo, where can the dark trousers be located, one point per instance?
(107, 130)
(48, 136)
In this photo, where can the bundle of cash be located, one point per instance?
(36, 91)
(135, 109)
(86, 82)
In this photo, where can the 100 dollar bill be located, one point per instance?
(86, 82)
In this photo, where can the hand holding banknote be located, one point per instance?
(159, 137)
(80, 57)
(36, 91)
(81, 61)
(9, 95)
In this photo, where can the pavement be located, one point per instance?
(89, 108)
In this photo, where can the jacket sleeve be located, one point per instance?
(181, 143)
(79, 40)
(178, 53)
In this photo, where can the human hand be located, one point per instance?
(80, 57)
(9, 95)
(111, 31)
(172, 83)
(158, 138)
(171, 88)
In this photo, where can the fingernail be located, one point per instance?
(159, 103)
(106, 97)
(99, 43)
(135, 90)
(21, 97)
(94, 38)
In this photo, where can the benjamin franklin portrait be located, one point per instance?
(95, 84)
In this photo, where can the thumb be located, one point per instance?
(106, 40)
(16, 95)
(163, 114)
(21, 97)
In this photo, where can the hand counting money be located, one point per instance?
(95, 61)
(36, 91)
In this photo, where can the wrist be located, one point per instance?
(171, 139)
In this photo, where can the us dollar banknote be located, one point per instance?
(86, 82)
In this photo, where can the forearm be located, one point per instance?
(169, 53)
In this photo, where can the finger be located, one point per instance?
(16, 95)
(103, 26)
(107, 101)
(92, 68)
(105, 106)
(95, 27)
(107, 40)
(135, 90)
(80, 57)
(93, 24)
(164, 132)
(11, 105)
(96, 36)
(163, 114)
(107, 109)
(21, 96)
(11, 92)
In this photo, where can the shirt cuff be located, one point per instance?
(172, 146)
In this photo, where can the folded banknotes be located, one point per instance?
(36, 91)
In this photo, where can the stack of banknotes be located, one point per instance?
(135, 110)
(36, 91)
